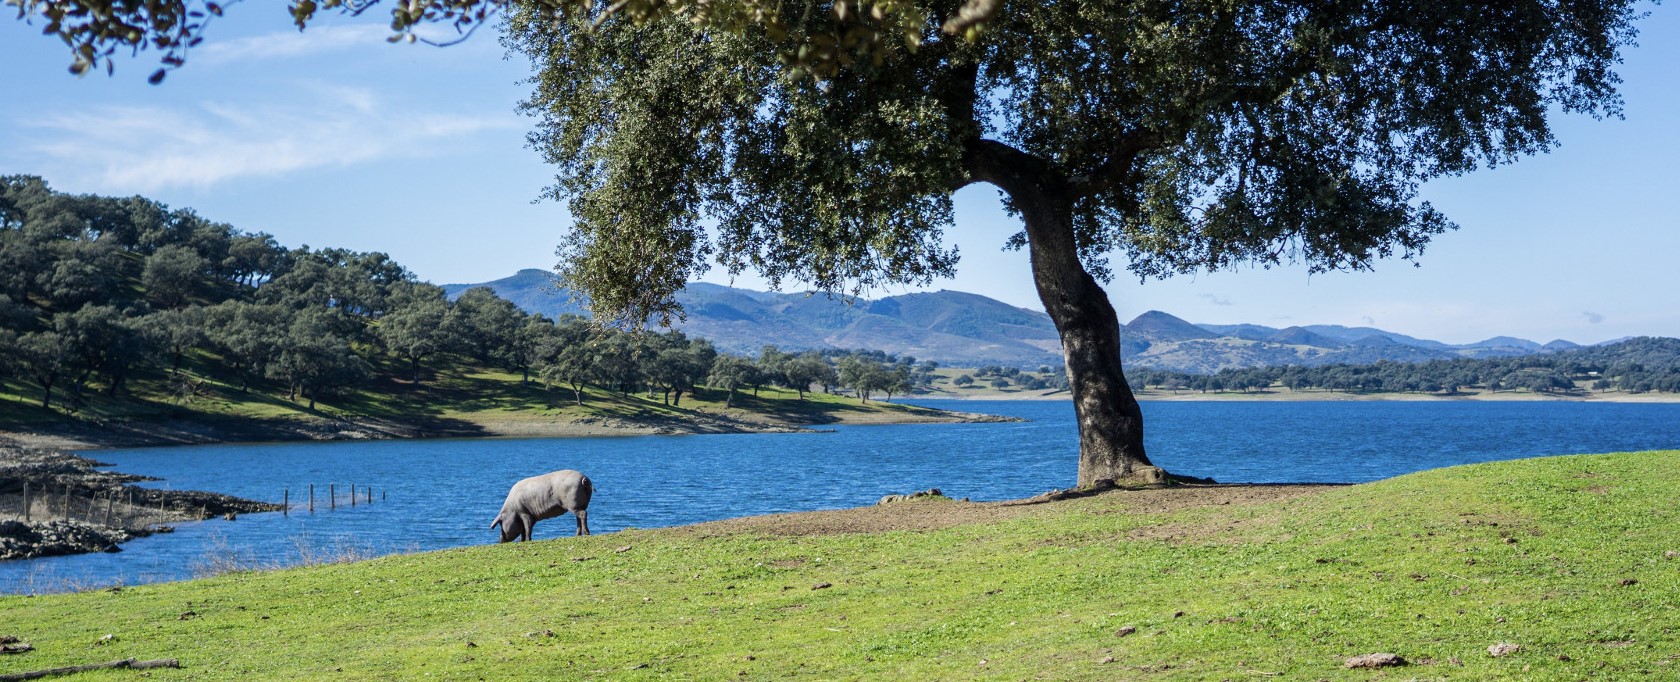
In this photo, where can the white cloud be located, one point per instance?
(1216, 300)
(125, 148)
(315, 41)
(1592, 317)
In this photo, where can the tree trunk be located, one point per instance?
(729, 401)
(1110, 421)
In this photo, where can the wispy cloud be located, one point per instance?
(1592, 317)
(1216, 300)
(313, 42)
(1368, 320)
(122, 148)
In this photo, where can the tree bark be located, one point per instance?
(1110, 421)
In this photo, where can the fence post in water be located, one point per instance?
(352, 494)
(312, 498)
(286, 502)
(332, 495)
(384, 495)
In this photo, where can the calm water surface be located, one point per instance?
(444, 493)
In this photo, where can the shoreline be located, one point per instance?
(207, 430)
(1287, 395)
(55, 503)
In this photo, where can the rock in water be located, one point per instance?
(930, 492)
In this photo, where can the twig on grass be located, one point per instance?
(125, 663)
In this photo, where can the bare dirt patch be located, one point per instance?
(935, 514)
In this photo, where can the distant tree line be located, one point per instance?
(1046, 379)
(1640, 365)
(94, 290)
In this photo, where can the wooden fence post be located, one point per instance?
(286, 502)
(332, 495)
(352, 494)
(312, 498)
(110, 506)
(26, 501)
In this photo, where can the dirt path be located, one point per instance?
(937, 513)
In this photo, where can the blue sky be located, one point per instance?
(333, 137)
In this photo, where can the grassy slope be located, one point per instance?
(1418, 565)
(462, 399)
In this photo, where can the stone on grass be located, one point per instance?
(1377, 660)
(1503, 648)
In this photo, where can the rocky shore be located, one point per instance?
(54, 502)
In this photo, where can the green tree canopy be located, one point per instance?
(173, 273)
(817, 39)
(414, 328)
(731, 372)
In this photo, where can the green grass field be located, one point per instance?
(1571, 558)
(463, 400)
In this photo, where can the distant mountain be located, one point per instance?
(957, 328)
(1512, 343)
(1251, 332)
(950, 327)
(1300, 336)
(1158, 327)
(1352, 334)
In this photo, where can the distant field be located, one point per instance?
(981, 389)
(464, 403)
(1574, 561)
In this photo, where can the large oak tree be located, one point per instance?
(1169, 135)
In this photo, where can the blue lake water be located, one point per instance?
(432, 494)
